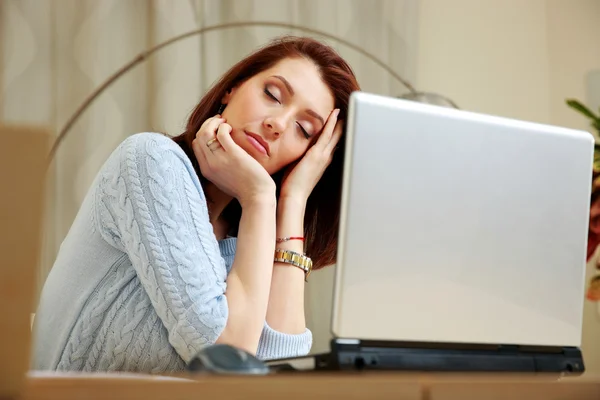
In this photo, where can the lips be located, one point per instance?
(258, 142)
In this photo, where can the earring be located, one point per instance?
(221, 109)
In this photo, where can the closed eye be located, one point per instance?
(306, 135)
(269, 94)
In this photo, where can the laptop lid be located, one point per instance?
(459, 227)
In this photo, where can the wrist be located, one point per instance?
(293, 205)
(262, 200)
(290, 223)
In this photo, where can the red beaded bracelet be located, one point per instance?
(285, 239)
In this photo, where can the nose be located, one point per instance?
(275, 125)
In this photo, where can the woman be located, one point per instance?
(185, 242)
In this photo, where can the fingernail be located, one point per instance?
(337, 112)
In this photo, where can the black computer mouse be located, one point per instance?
(226, 359)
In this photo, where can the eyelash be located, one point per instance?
(270, 95)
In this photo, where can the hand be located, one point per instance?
(301, 178)
(228, 166)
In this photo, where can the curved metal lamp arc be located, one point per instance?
(413, 93)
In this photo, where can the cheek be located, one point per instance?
(239, 137)
(248, 107)
(290, 152)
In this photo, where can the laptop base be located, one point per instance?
(433, 357)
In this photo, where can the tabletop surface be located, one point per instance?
(350, 385)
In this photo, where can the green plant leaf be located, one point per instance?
(576, 105)
(596, 162)
(596, 125)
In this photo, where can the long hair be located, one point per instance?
(321, 221)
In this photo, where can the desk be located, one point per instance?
(24, 151)
(372, 385)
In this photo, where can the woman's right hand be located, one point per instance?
(230, 167)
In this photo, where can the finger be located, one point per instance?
(209, 127)
(207, 122)
(206, 133)
(224, 137)
(337, 135)
(213, 145)
(327, 132)
(199, 148)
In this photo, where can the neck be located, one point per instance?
(217, 201)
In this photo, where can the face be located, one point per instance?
(278, 114)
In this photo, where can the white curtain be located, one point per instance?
(54, 53)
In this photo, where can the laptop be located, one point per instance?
(462, 243)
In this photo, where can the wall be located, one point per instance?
(517, 59)
(53, 54)
(574, 52)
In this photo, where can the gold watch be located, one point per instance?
(296, 259)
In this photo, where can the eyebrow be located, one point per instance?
(291, 90)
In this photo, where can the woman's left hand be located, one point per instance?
(301, 178)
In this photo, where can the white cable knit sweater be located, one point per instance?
(139, 281)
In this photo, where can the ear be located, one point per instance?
(227, 97)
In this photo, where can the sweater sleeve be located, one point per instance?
(274, 344)
(152, 207)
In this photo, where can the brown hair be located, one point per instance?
(322, 213)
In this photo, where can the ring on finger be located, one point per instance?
(211, 141)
